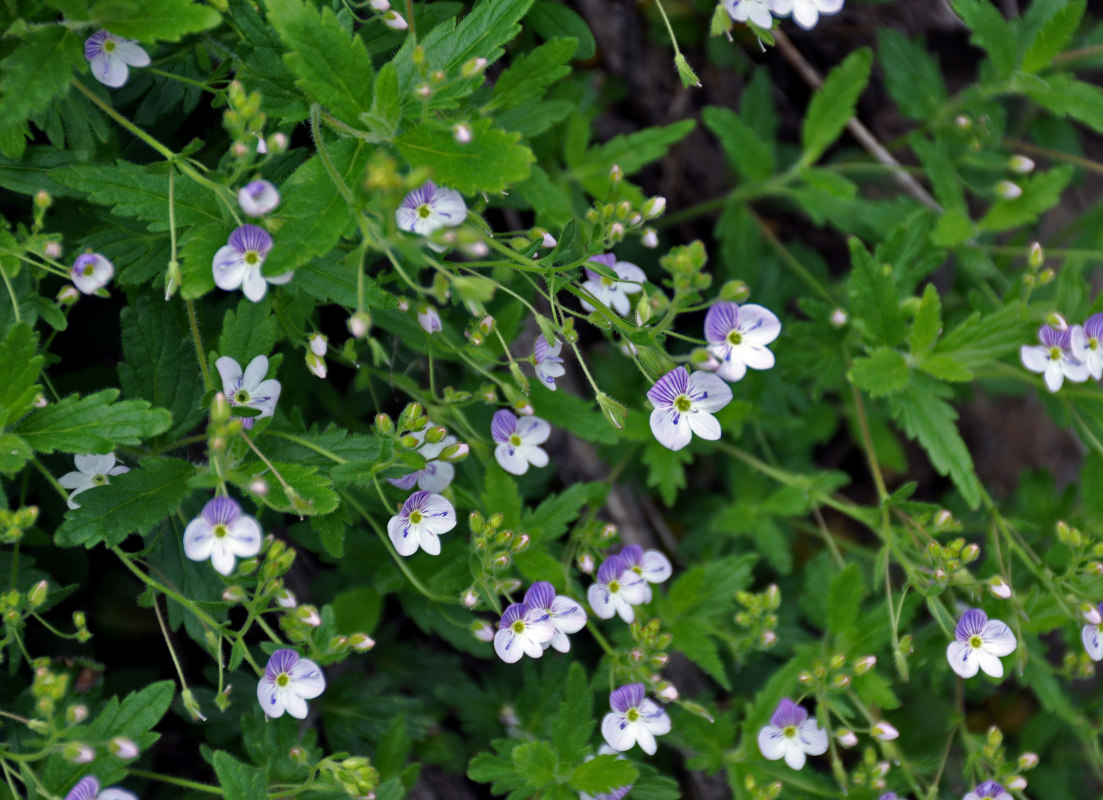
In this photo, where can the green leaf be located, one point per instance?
(1053, 36)
(132, 503)
(530, 74)
(876, 690)
(1065, 96)
(929, 419)
(844, 600)
(239, 781)
(574, 721)
(481, 34)
(313, 490)
(20, 367)
(535, 762)
(928, 322)
(749, 154)
(14, 453)
(552, 517)
(495, 769)
(874, 298)
(991, 32)
(577, 416)
(159, 360)
(631, 152)
(665, 470)
(38, 69)
(92, 424)
(137, 714)
(603, 774)
(492, 161)
(912, 75)
(554, 20)
(500, 494)
(833, 105)
(692, 639)
(386, 104)
(154, 20)
(884, 372)
(248, 331)
(331, 67)
(982, 340)
(1041, 192)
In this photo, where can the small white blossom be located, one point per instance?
(91, 272)
(1054, 357)
(806, 13)
(523, 630)
(88, 788)
(249, 388)
(424, 516)
(609, 292)
(288, 682)
(222, 533)
(566, 615)
(429, 208)
(617, 589)
(634, 719)
(92, 471)
(792, 735)
(110, 57)
(684, 405)
(258, 198)
(1091, 633)
(980, 643)
(738, 336)
(518, 441)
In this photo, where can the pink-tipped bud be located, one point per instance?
(259, 487)
(52, 250)
(636, 656)
(547, 240)
(395, 21)
(838, 318)
(470, 599)
(864, 664)
(885, 732)
(650, 238)
(379, 5)
(1028, 760)
(667, 692)
(361, 642)
(359, 324)
(123, 748)
(318, 344)
(482, 631)
(40, 401)
(524, 408)
(473, 67)
(423, 91)
(428, 318)
(309, 615)
(654, 207)
(767, 639)
(1016, 783)
(79, 753)
(586, 563)
(285, 598)
(277, 143)
(233, 594)
(616, 174)
(68, 295)
(943, 518)
(999, 587)
(1020, 165)
(1006, 190)
(608, 531)
(316, 365)
(846, 737)
(462, 133)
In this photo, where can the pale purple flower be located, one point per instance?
(651, 565)
(288, 682)
(617, 589)
(980, 643)
(428, 318)
(757, 11)
(258, 198)
(1090, 633)
(634, 719)
(1087, 344)
(806, 13)
(989, 790)
(792, 735)
(523, 630)
(91, 272)
(249, 388)
(884, 731)
(436, 475)
(221, 533)
(88, 788)
(1054, 357)
(566, 615)
(519, 441)
(423, 517)
(239, 263)
(92, 471)
(110, 57)
(429, 208)
(738, 337)
(616, 794)
(683, 406)
(548, 364)
(609, 292)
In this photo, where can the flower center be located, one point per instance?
(89, 270)
(1055, 353)
(682, 404)
(1093, 343)
(632, 714)
(614, 586)
(789, 731)
(251, 257)
(735, 337)
(109, 46)
(99, 479)
(221, 531)
(515, 440)
(976, 642)
(518, 627)
(283, 679)
(416, 517)
(241, 397)
(424, 212)
(607, 282)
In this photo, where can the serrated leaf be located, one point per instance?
(480, 34)
(1065, 96)
(928, 322)
(574, 721)
(983, 339)
(833, 105)
(154, 20)
(912, 75)
(691, 639)
(551, 518)
(929, 419)
(239, 781)
(631, 152)
(138, 713)
(945, 368)
(530, 75)
(20, 367)
(884, 372)
(844, 600)
(313, 491)
(1041, 192)
(495, 769)
(749, 154)
(500, 495)
(133, 502)
(492, 161)
(38, 68)
(555, 20)
(603, 774)
(331, 67)
(666, 470)
(577, 416)
(874, 298)
(535, 763)
(92, 424)
(1053, 36)
(991, 32)
(14, 453)
(248, 331)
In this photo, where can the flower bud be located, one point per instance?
(318, 344)
(885, 732)
(963, 122)
(52, 250)
(970, 553)
(994, 737)
(667, 692)
(501, 561)
(233, 594)
(767, 639)
(220, 409)
(123, 748)
(845, 737)
(455, 452)
(74, 715)
(654, 207)
(805, 678)
(435, 434)
(521, 543)
(383, 424)
(470, 599)
(837, 661)
(78, 753)
(37, 595)
(316, 365)
(585, 563)
(428, 318)
(1006, 190)
(395, 21)
(42, 199)
(650, 238)
(1016, 783)
(482, 631)
(309, 615)
(1057, 320)
(1028, 760)
(864, 664)
(1000, 588)
(616, 174)
(379, 5)
(1020, 165)
(1036, 256)
(523, 407)
(277, 143)
(473, 67)
(361, 642)
(462, 133)
(68, 295)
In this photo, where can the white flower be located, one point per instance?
(523, 630)
(738, 337)
(757, 11)
(109, 57)
(806, 13)
(288, 682)
(548, 364)
(1087, 344)
(566, 615)
(989, 790)
(609, 292)
(1090, 633)
(429, 208)
(436, 475)
(91, 272)
(88, 788)
(683, 406)
(519, 441)
(635, 719)
(980, 645)
(617, 589)
(884, 731)
(249, 388)
(239, 263)
(258, 198)
(423, 517)
(221, 533)
(92, 471)
(428, 318)
(792, 735)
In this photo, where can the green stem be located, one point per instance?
(203, 616)
(320, 146)
(157, 776)
(11, 294)
(200, 353)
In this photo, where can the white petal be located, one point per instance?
(631, 276)
(732, 368)
(1035, 357)
(119, 470)
(634, 589)
(436, 476)
(109, 69)
(670, 428)
(115, 793)
(830, 6)
(619, 301)
(404, 541)
(533, 430)
(222, 557)
(998, 638)
(794, 755)
(511, 459)
(645, 739)
(254, 374)
(229, 268)
(813, 738)
(1075, 371)
(618, 731)
(536, 456)
(656, 567)
(601, 601)
(76, 480)
(131, 53)
(708, 392)
(704, 425)
(1089, 634)
(198, 540)
(989, 664)
(69, 501)
(230, 372)
(533, 648)
(255, 287)
(806, 15)
(281, 279)
(440, 516)
(758, 325)
(94, 465)
(428, 541)
(269, 699)
(244, 537)
(507, 647)
(307, 679)
(962, 658)
(295, 705)
(448, 207)
(563, 644)
(570, 616)
(771, 742)
(623, 609)
(756, 356)
(654, 718)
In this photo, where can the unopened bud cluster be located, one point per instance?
(758, 616)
